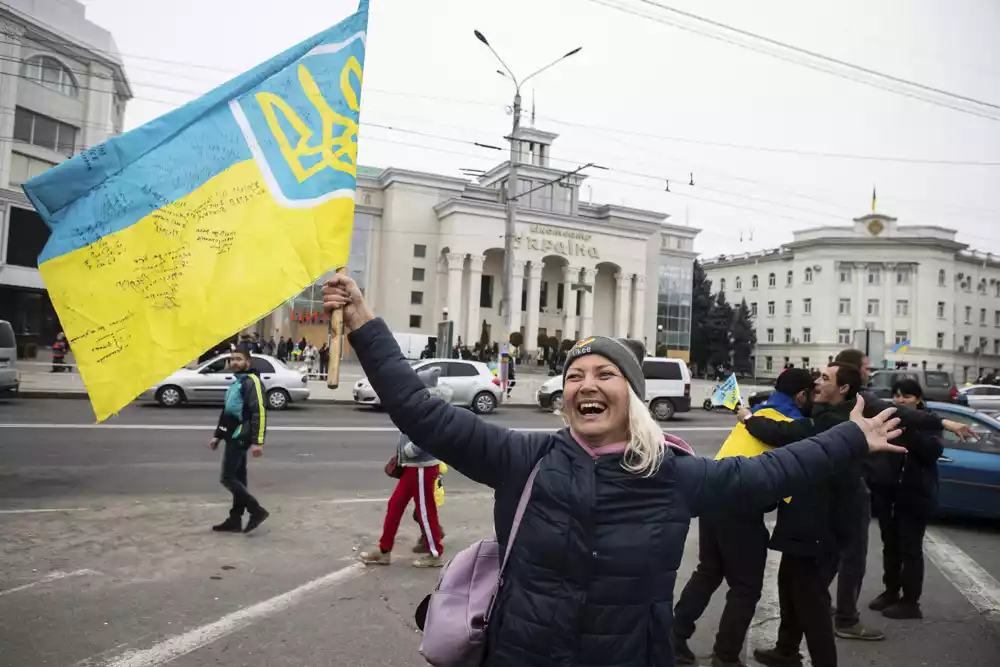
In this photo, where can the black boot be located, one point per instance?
(233, 524)
(884, 601)
(256, 518)
(683, 655)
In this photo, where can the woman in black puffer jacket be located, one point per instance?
(591, 575)
(904, 491)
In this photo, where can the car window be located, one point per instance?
(428, 367)
(992, 391)
(989, 438)
(882, 380)
(662, 370)
(459, 370)
(936, 379)
(7, 335)
(217, 366)
(261, 365)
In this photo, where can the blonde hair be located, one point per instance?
(646, 444)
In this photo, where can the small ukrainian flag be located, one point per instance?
(902, 346)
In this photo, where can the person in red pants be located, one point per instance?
(417, 483)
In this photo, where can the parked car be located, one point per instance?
(472, 383)
(209, 381)
(983, 397)
(668, 388)
(937, 385)
(10, 380)
(969, 471)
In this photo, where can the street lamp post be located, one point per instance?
(507, 280)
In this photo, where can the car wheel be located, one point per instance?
(277, 399)
(662, 409)
(170, 396)
(484, 403)
(708, 404)
(556, 403)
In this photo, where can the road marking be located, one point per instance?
(304, 429)
(976, 584)
(192, 640)
(48, 509)
(54, 576)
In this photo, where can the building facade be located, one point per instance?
(933, 297)
(62, 89)
(429, 248)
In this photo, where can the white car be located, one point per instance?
(209, 381)
(472, 382)
(668, 388)
(10, 380)
(982, 397)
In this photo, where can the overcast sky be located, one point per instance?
(636, 90)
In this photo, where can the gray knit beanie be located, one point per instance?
(622, 352)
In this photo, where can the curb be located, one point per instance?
(78, 395)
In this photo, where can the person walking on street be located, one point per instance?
(732, 545)
(282, 349)
(904, 491)
(59, 350)
(309, 357)
(324, 360)
(242, 426)
(269, 347)
(418, 482)
(590, 577)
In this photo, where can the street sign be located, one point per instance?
(872, 343)
(445, 345)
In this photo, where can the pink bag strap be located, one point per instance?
(519, 514)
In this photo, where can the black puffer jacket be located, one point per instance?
(908, 480)
(591, 576)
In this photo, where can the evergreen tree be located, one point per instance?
(744, 339)
(701, 306)
(720, 321)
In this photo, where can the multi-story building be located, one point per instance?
(429, 248)
(916, 284)
(62, 89)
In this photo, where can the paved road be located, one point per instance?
(106, 560)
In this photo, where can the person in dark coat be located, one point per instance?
(904, 495)
(590, 578)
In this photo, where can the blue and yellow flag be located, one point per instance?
(728, 393)
(175, 235)
(741, 443)
(901, 346)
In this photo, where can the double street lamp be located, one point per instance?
(506, 298)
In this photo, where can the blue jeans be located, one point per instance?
(234, 478)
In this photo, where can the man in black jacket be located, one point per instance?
(809, 531)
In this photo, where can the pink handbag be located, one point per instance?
(455, 616)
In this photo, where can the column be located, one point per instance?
(587, 325)
(889, 276)
(638, 307)
(623, 285)
(534, 297)
(570, 275)
(456, 266)
(860, 305)
(516, 287)
(474, 326)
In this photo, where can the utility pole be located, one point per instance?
(510, 230)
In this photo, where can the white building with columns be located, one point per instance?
(915, 283)
(428, 248)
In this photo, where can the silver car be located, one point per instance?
(209, 381)
(472, 382)
(982, 397)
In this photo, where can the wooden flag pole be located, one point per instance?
(335, 341)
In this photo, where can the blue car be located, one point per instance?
(969, 472)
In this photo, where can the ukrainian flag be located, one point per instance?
(177, 234)
(901, 346)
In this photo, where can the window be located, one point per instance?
(845, 276)
(486, 291)
(788, 278)
(771, 280)
(940, 310)
(456, 369)
(770, 308)
(996, 346)
(982, 286)
(940, 340)
(805, 362)
(843, 336)
(739, 284)
(809, 276)
(941, 278)
(982, 317)
(24, 168)
(788, 335)
(902, 308)
(903, 277)
(788, 307)
(807, 306)
(722, 284)
(543, 296)
(845, 307)
(753, 309)
(753, 281)
(982, 345)
(807, 335)
(767, 363)
(967, 343)
(418, 274)
(875, 276)
(873, 307)
(416, 298)
(262, 366)
(560, 294)
(901, 337)
(49, 72)
(996, 318)
(986, 439)
(217, 366)
(770, 335)
(39, 130)
(662, 370)
(26, 237)
(968, 314)
(419, 251)
(415, 321)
